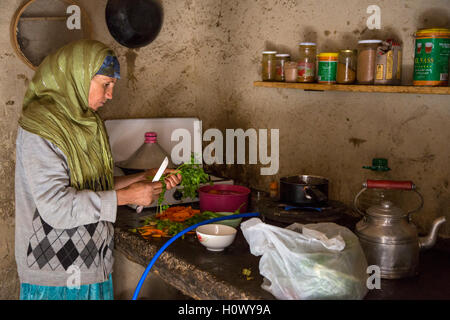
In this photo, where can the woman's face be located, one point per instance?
(100, 91)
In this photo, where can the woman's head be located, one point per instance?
(102, 84)
(100, 91)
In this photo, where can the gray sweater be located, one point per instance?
(60, 232)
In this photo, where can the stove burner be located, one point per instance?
(287, 213)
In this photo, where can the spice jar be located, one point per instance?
(290, 71)
(430, 58)
(367, 51)
(281, 58)
(327, 67)
(346, 67)
(268, 65)
(389, 63)
(307, 62)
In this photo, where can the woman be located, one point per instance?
(66, 195)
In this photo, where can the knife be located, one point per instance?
(157, 176)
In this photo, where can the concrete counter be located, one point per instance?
(201, 274)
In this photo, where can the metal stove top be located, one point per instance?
(283, 214)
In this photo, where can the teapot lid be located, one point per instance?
(386, 209)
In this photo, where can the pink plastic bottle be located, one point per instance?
(149, 155)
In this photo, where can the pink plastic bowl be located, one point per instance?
(223, 202)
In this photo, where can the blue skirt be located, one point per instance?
(96, 291)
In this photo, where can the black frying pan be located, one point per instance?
(134, 23)
(304, 190)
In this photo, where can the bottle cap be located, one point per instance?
(150, 137)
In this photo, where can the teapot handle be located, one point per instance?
(389, 184)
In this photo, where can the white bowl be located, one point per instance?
(215, 237)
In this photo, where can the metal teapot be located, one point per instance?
(388, 237)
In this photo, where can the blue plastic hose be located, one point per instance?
(175, 237)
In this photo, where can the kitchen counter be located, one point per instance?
(201, 274)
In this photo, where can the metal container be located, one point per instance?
(388, 237)
(432, 51)
(304, 190)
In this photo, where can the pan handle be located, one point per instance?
(314, 194)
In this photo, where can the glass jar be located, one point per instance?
(290, 71)
(346, 67)
(281, 58)
(367, 54)
(327, 67)
(306, 62)
(268, 65)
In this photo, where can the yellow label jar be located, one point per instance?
(431, 56)
(327, 67)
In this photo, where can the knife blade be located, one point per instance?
(157, 176)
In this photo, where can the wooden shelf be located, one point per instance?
(353, 87)
(43, 18)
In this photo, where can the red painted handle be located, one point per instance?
(390, 184)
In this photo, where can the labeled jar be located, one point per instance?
(367, 54)
(327, 67)
(290, 71)
(281, 59)
(346, 67)
(431, 56)
(388, 69)
(268, 65)
(306, 62)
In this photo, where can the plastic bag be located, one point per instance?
(313, 261)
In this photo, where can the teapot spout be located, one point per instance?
(429, 241)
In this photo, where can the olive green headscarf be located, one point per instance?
(56, 108)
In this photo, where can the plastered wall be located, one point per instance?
(203, 64)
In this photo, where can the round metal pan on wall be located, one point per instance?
(134, 23)
(304, 190)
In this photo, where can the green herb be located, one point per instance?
(192, 177)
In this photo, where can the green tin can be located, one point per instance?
(431, 56)
(327, 67)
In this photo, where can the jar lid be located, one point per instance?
(370, 41)
(347, 50)
(306, 44)
(433, 32)
(328, 54)
(269, 52)
(283, 55)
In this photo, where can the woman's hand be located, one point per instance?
(141, 193)
(171, 181)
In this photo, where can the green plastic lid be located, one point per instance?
(378, 164)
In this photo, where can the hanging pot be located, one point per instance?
(134, 23)
(304, 190)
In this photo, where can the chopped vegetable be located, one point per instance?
(172, 221)
(247, 272)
